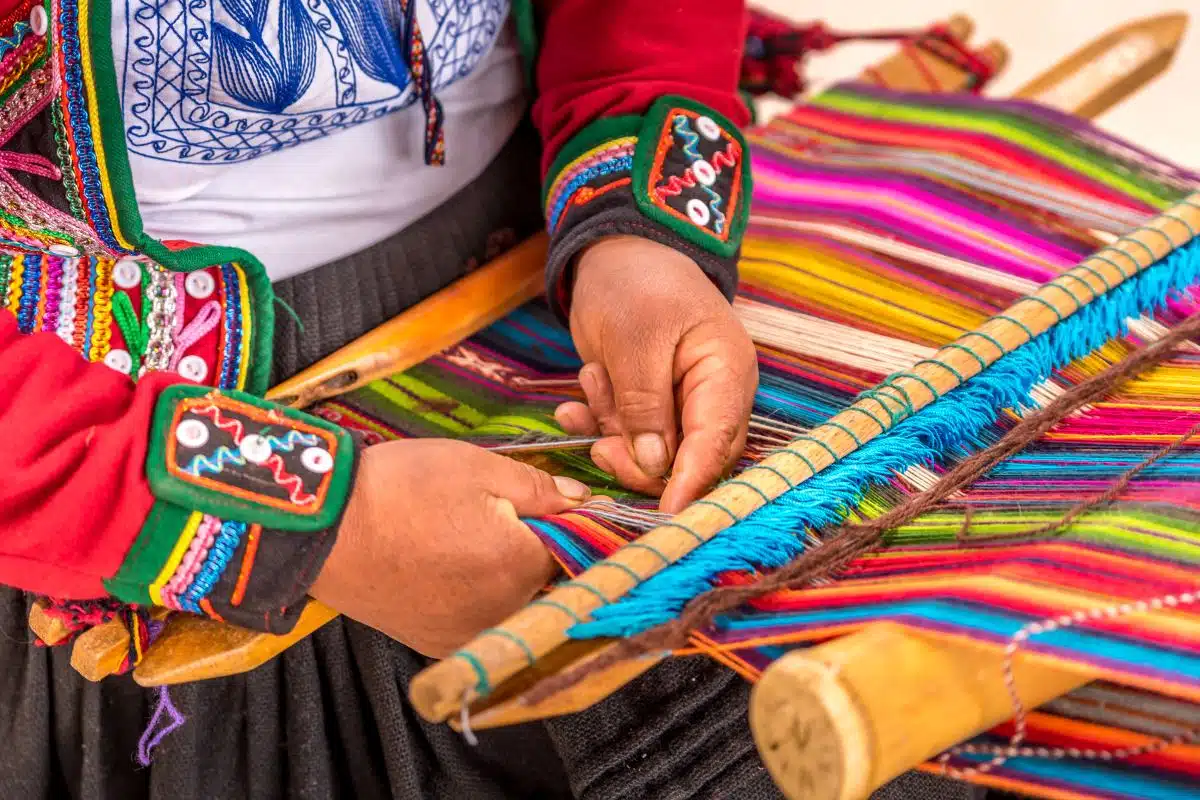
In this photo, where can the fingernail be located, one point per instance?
(650, 450)
(602, 462)
(587, 379)
(571, 488)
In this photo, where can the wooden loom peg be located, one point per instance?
(50, 630)
(195, 648)
(837, 721)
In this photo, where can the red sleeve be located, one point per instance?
(75, 494)
(603, 58)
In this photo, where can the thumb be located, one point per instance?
(532, 492)
(644, 397)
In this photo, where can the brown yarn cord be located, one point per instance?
(847, 542)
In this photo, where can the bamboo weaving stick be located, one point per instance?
(490, 659)
(195, 648)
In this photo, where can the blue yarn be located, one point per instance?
(950, 428)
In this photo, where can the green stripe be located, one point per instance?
(150, 551)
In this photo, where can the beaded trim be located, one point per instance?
(218, 556)
(76, 297)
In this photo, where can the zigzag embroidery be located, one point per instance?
(677, 183)
(214, 464)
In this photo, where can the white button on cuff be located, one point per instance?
(704, 172)
(698, 212)
(317, 459)
(193, 368)
(255, 449)
(39, 21)
(127, 274)
(192, 433)
(199, 285)
(708, 128)
(120, 360)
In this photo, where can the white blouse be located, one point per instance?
(291, 128)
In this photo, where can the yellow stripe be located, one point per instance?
(85, 50)
(609, 145)
(247, 327)
(181, 546)
(16, 276)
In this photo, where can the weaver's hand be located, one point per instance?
(663, 353)
(431, 551)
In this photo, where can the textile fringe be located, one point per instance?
(848, 542)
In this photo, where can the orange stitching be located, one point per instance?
(243, 580)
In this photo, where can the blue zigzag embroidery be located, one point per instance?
(690, 139)
(215, 463)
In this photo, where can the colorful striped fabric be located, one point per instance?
(883, 226)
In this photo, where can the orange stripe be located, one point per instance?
(207, 608)
(239, 590)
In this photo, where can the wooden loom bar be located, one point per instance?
(844, 718)
(490, 659)
(196, 648)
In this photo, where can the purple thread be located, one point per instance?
(151, 739)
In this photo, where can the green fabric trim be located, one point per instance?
(643, 161)
(751, 106)
(159, 535)
(595, 133)
(128, 220)
(173, 489)
(525, 21)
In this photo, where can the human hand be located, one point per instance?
(431, 550)
(663, 352)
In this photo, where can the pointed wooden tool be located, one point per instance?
(1101, 74)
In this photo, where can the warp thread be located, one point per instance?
(848, 542)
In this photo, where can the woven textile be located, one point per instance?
(885, 225)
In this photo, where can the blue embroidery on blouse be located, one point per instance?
(230, 80)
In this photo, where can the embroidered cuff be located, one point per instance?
(679, 176)
(248, 499)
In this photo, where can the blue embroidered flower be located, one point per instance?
(249, 71)
(373, 41)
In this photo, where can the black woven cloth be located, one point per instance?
(329, 718)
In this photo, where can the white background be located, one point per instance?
(1163, 117)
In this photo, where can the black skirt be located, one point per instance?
(330, 718)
